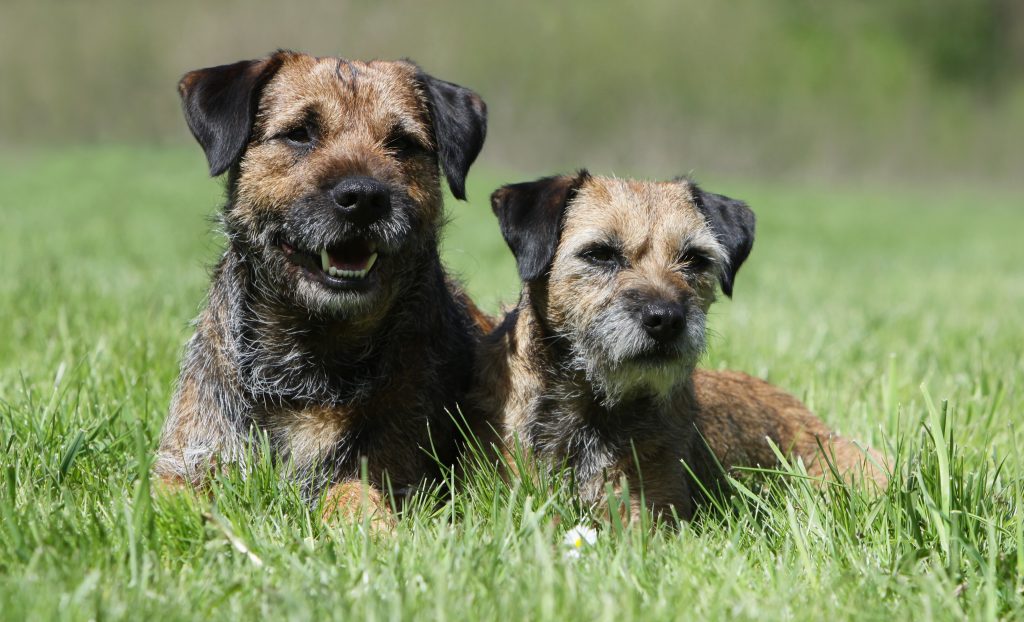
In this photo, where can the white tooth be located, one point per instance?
(369, 264)
(325, 260)
(332, 271)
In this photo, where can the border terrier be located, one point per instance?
(331, 328)
(594, 370)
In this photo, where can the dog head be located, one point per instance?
(625, 270)
(334, 189)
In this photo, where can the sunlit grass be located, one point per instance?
(894, 312)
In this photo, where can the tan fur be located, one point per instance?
(569, 398)
(353, 502)
(356, 116)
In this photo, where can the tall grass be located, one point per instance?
(892, 311)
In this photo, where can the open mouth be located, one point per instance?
(346, 265)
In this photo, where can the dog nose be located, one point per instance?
(663, 321)
(361, 199)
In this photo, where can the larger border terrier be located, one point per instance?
(331, 329)
(594, 370)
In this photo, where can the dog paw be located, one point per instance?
(355, 502)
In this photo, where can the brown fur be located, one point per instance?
(738, 414)
(333, 375)
(351, 501)
(573, 376)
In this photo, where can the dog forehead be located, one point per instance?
(637, 213)
(345, 93)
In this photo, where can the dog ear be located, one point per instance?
(733, 224)
(530, 217)
(220, 106)
(459, 118)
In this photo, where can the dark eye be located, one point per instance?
(602, 255)
(299, 136)
(402, 144)
(694, 261)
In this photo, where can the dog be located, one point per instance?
(331, 331)
(594, 369)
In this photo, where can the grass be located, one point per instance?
(894, 312)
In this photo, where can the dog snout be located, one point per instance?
(663, 321)
(362, 200)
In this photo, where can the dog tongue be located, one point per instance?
(351, 256)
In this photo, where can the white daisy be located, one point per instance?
(578, 537)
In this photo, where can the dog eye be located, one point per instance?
(403, 145)
(299, 136)
(694, 261)
(602, 255)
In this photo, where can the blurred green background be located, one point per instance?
(878, 142)
(892, 89)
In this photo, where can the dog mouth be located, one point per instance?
(655, 355)
(345, 265)
(660, 353)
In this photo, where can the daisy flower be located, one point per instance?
(577, 538)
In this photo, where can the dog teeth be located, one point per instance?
(349, 274)
(325, 261)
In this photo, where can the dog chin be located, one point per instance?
(326, 301)
(638, 378)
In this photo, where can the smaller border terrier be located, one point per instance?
(594, 370)
(331, 328)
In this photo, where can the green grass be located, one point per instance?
(895, 312)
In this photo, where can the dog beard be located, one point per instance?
(310, 225)
(621, 361)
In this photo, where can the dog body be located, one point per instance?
(594, 369)
(330, 326)
(737, 415)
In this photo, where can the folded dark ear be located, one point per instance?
(733, 224)
(530, 216)
(459, 119)
(220, 106)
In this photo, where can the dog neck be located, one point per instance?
(284, 355)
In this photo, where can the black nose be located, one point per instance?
(663, 321)
(361, 200)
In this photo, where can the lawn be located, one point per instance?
(897, 313)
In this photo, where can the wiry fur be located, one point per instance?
(572, 376)
(332, 377)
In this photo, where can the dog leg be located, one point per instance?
(200, 433)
